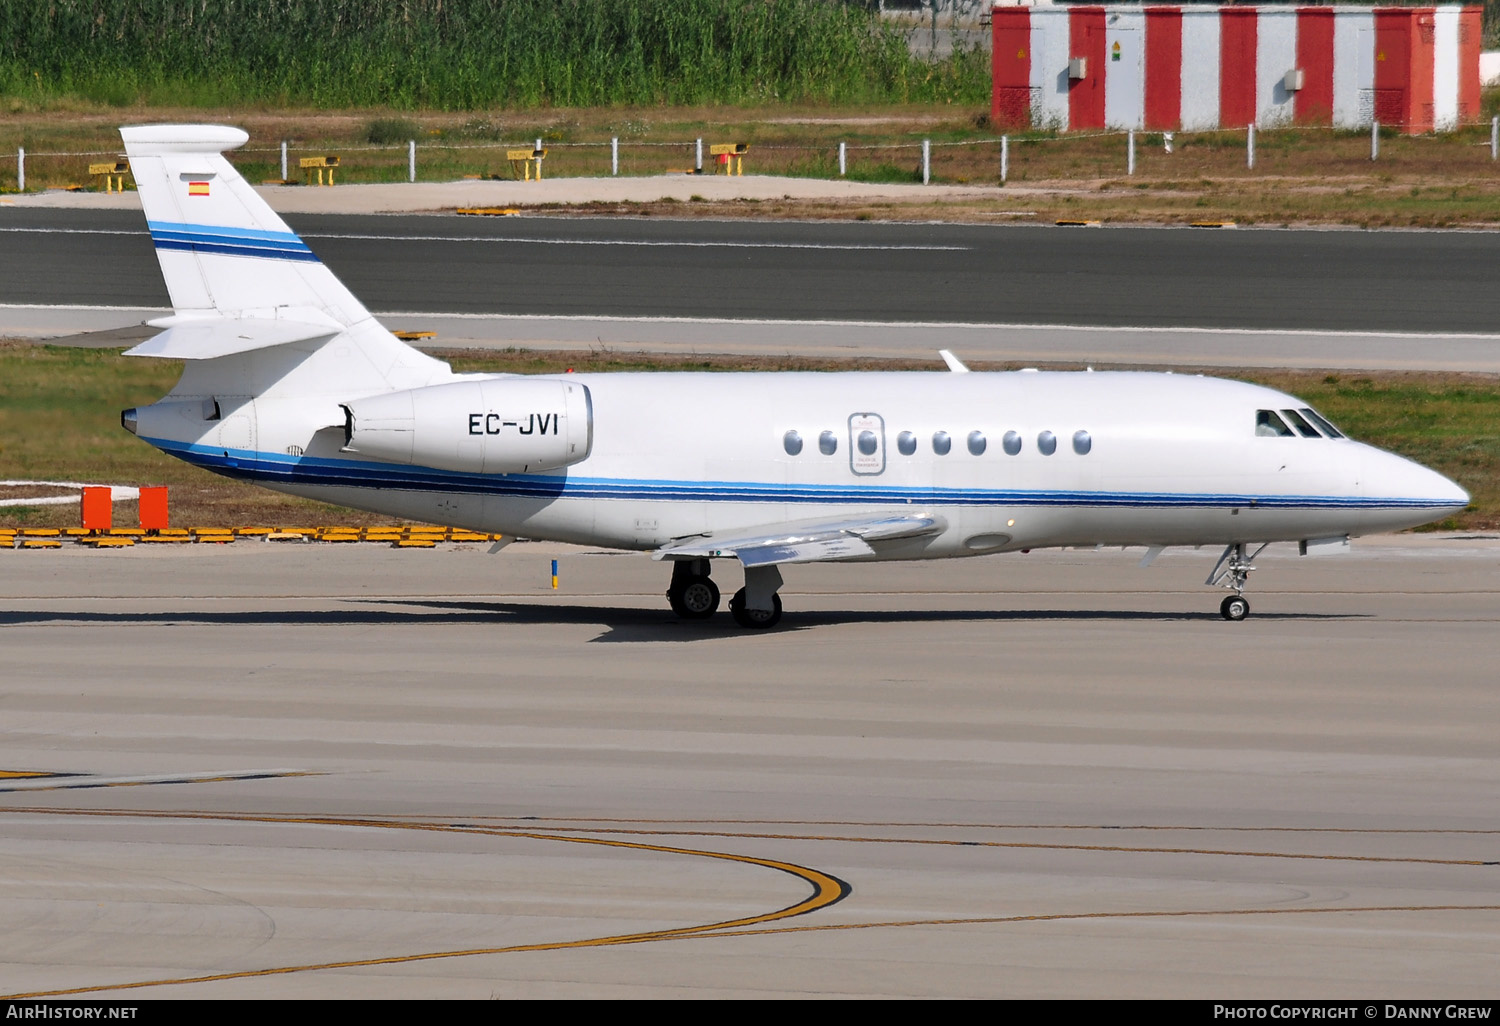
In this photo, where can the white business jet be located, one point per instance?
(289, 382)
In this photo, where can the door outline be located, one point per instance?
(863, 464)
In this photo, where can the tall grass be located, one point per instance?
(468, 54)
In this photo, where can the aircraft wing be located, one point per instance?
(808, 541)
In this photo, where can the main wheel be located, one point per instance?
(755, 619)
(696, 598)
(1235, 607)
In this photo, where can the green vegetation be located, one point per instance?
(59, 420)
(467, 54)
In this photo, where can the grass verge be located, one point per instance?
(1302, 175)
(59, 421)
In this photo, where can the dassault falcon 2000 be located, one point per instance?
(290, 382)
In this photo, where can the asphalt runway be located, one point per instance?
(335, 771)
(1114, 297)
(1385, 281)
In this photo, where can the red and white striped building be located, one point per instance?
(1204, 66)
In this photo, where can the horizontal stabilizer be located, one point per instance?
(205, 338)
(811, 541)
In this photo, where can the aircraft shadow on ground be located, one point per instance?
(622, 623)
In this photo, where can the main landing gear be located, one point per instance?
(694, 596)
(1233, 571)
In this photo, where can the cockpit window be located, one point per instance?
(1322, 422)
(1304, 429)
(1269, 425)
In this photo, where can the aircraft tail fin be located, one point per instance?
(220, 245)
(255, 308)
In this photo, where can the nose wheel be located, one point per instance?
(1235, 607)
(1233, 571)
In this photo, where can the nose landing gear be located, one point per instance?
(1233, 571)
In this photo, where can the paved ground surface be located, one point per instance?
(1268, 279)
(1337, 299)
(1053, 774)
(445, 196)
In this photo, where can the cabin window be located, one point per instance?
(977, 443)
(828, 443)
(1011, 443)
(1269, 425)
(1304, 429)
(867, 443)
(1082, 442)
(792, 443)
(941, 443)
(1322, 422)
(1047, 443)
(906, 442)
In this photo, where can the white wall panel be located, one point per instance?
(1049, 66)
(1445, 69)
(1200, 68)
(1125, 79)
(1275, 55)
(1353, 67)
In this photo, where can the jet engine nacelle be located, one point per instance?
(486, 426)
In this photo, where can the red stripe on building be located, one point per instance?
(1313, 104)
(1469, 29)
(1010, 106)
(1392, 65)
(1086, 40)
(1423, 112)
(1237, 38)
(1164, 68)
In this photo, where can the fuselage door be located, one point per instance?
(867, 444)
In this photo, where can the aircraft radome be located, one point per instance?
(290, 383)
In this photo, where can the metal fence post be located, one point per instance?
(1004, 158)
(1495, 138)
(21, 169)
(1250, 147)
(699, 164)
(411, 160)
(926, 161)
(843, 164)
(283, 160)
(614, 155)
(1130, 153)
(1374, 140)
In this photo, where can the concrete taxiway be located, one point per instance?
(310, 770)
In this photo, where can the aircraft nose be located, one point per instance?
(1427, 494)
(1421, 483)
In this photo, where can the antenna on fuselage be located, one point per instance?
(954, 363)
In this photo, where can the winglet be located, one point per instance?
(954, 363)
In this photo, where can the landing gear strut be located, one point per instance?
(693, 595)
(756, 605)
(1233, 571)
